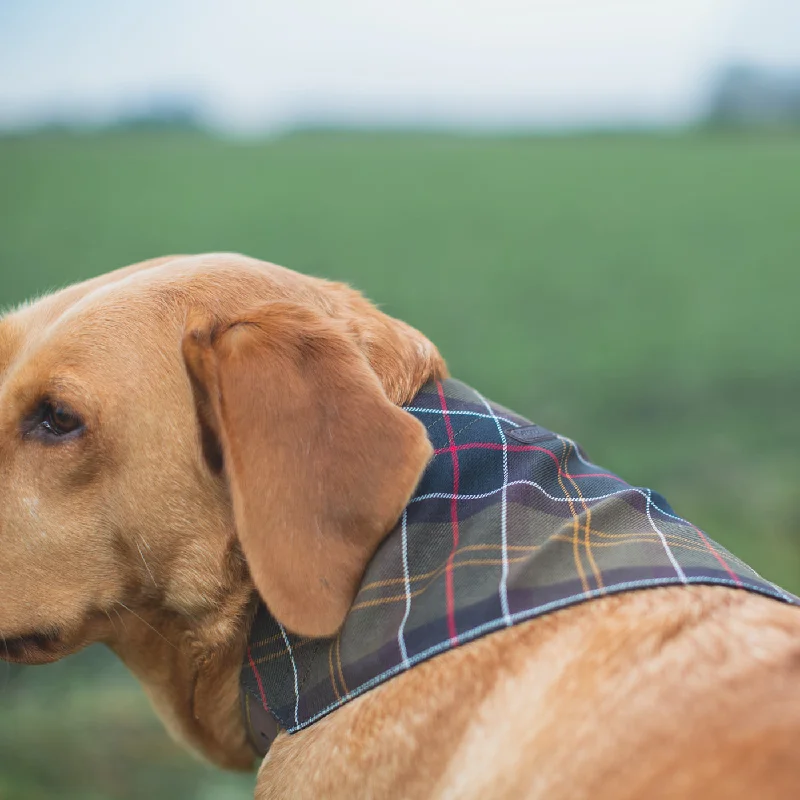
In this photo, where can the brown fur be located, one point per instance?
(230, 411)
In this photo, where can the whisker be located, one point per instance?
(146, 566)
(157, 632)
(120, 618)
(114, 627)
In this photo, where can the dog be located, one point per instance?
(191, 439)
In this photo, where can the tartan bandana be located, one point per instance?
(509, 521)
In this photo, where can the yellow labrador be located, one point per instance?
(134, 482)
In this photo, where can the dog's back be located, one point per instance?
(670, 692)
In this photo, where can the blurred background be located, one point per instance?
(591, 206)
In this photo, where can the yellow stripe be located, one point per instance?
(576, 527)
(587, 526)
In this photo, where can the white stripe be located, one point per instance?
(503, 519)
(522, 482)
(415, 410)
(294, 669)
(675, 565)
(688, 539)
(401, 640)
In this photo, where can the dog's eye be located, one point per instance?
(58, 420)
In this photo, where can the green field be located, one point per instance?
(638, 293)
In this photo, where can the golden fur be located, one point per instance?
(217, 456)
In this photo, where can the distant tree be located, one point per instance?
(752, 95)
(161, 112)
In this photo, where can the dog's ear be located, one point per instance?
(319, 462)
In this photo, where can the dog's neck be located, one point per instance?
(190, 664)
(190, 669)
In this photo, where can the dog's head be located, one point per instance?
(173, 428)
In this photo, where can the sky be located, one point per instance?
(256, 65)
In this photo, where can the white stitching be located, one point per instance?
(503, 518)
(407, 585)
(676, 566)
(294, 669)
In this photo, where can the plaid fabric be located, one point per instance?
(509, 521)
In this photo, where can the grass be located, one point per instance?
(638, 293)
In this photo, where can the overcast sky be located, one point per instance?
(259, 64)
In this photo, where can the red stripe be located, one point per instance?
(258, 679)
(514, 448)
(520, 448)
(448, 575)
(718, 556)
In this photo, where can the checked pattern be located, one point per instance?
(509, 521)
